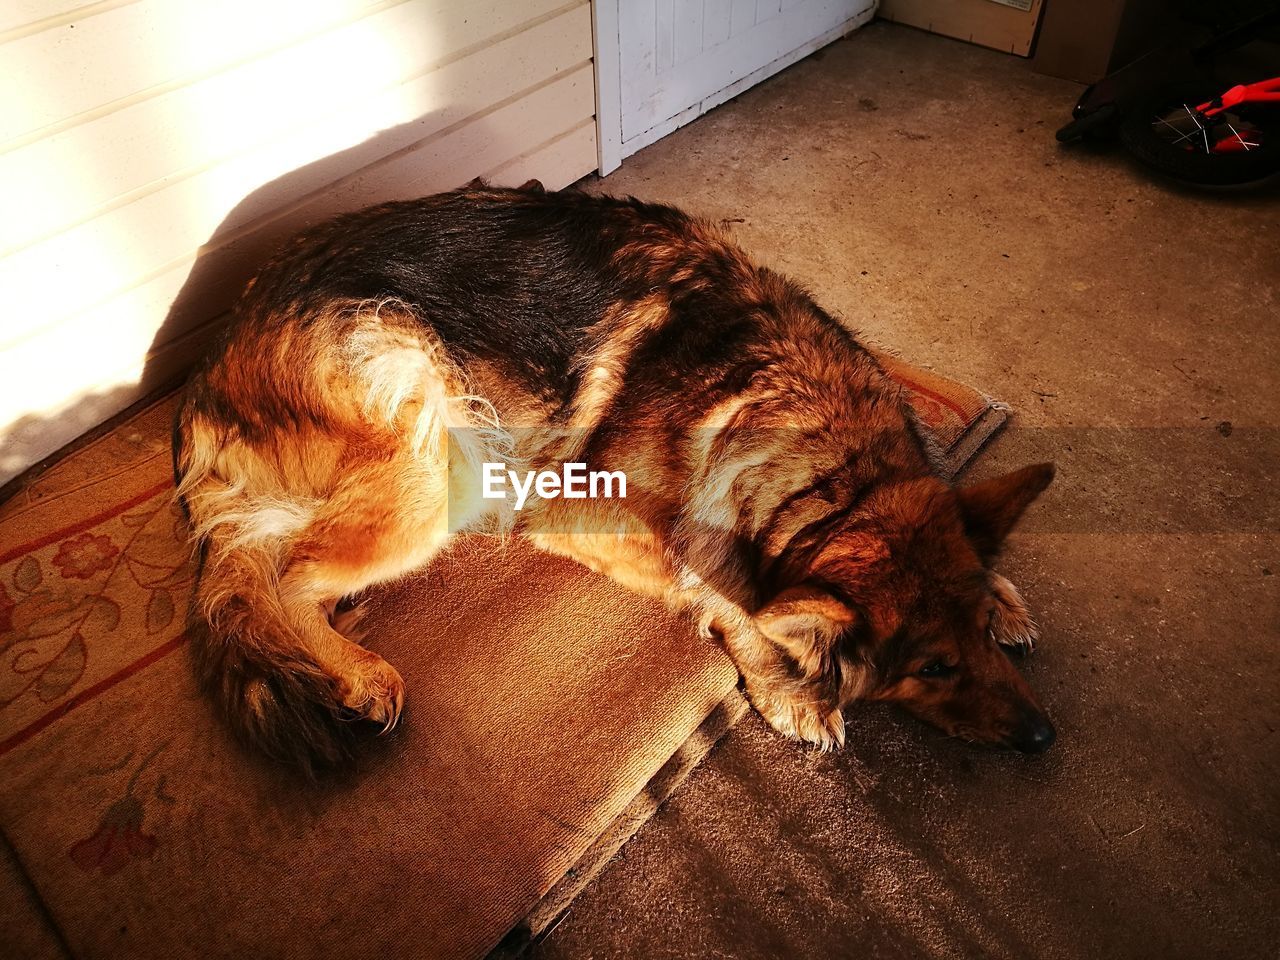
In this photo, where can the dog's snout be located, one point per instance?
(1034, 735)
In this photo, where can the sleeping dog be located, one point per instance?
(779, 489)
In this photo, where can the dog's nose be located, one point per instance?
(1034, 736)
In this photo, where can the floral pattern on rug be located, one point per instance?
(120, 837)
(108, 593)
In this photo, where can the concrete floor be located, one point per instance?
(914, 184)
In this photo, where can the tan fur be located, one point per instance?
(293, 521)
(1011, 622)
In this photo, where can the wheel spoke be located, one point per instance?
(1203, 130)
(1184, 136)
(1243, 142)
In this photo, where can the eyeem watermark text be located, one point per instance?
(573, 482)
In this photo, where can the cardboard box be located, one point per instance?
(1087, 39)
(1008, 25)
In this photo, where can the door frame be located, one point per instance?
(608, 68)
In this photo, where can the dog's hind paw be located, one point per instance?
(1011, 622)
(374, 691)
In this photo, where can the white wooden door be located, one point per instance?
(676, 59)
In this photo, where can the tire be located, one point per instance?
(1138, 134)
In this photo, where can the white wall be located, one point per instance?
(157, 149)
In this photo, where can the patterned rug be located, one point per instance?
(559, 714)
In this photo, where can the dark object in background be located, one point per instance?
(1229, 139)
(1159, 102)
(1083, 40)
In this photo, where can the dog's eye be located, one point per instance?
(936, 668)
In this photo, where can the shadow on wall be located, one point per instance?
(396, 163)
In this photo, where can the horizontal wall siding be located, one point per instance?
(156, 151)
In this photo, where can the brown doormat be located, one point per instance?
(549, 713)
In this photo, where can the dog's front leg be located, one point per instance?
(796, 706)
(1011, 622)
(802, 712)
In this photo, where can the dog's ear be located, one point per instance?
(992, 507)
(805, 621)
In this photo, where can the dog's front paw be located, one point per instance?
(1011, 622)
(812, 721)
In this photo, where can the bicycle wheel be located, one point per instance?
(1166, 132)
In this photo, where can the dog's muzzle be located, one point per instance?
(1035, 734)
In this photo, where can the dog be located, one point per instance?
(780, 490)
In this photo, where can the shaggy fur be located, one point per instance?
(777, 486)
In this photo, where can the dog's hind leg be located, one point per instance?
(358, 490)
(287, 679)
(377, 526)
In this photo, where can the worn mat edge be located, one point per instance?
(554, 906)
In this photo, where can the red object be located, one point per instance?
(1241, 141)
(1264, 91)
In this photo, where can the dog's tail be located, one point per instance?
(251, 661)
(249, 657)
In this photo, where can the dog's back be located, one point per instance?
(514, 277)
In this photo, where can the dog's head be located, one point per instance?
(904, 608)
